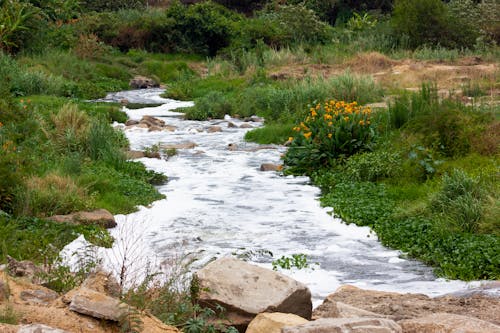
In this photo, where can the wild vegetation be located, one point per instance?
(422, 172)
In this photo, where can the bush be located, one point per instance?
(53, 194)
(429, 22)
(460, 201)
(330, 130)
(373, 166)
(214, 105)
(104, 6)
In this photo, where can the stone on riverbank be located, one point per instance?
(408, 306)
(448, 323)
(39, 328)
(270, 167)
(96, 304)
(273, 322)
(346, 325)
(246, 290)
(332, 309)
(100, 217)
(142, 82)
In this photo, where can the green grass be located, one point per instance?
(277, 133)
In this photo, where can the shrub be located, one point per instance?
(460, 201)
(15, 19)
(214, 105)
(71, 128)
(103, 6)
(330, 130)
(428, 22)
(373, 166)
(53, 194)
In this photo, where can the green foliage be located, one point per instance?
(277, 133)
(101, 6)
(423, 161)
(29, 238)
(213, 105)
(373, 166)
(423, 21)
(121, 190)
(298, 260)
(331, 130)
(460, 201)
(15, 19)
(130, 321)
(53, 194)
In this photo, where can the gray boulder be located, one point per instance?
(245, 290)
(96, 304)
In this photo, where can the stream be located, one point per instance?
(218, 203)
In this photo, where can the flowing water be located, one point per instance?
(218, 203)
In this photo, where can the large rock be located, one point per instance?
(142, 82)
(448, 323)
(100, 217)
(273, 322)
(97, 305)
(408, 306)
(245, 290)
(332, 309)
(39, 328)
(346, 325)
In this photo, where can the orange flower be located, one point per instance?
(330, 135)
(307, 135)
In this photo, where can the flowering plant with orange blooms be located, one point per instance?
(330, 130)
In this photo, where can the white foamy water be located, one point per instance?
(219, 204)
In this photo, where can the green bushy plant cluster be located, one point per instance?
(331, 130)
(434, 205)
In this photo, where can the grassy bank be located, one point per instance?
(426, 181)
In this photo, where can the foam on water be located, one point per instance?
(219, 203)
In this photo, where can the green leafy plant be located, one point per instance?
(298, 260)
(331, 130)
(8, 315)
(424, 160)
(14, 16)
(460, 200)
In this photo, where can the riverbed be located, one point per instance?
(218, 203)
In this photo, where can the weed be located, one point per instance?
(298, 261)
(8, 315)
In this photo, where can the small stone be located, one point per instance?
(231, 125)
(270, 167)
(214, 129)
(182, 145)
(135, 154)
(131, 122)
(38, 296)
(39, 328)
(273, 322)
(245, 125)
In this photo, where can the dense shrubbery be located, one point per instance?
(440, 212)
(330, 131)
